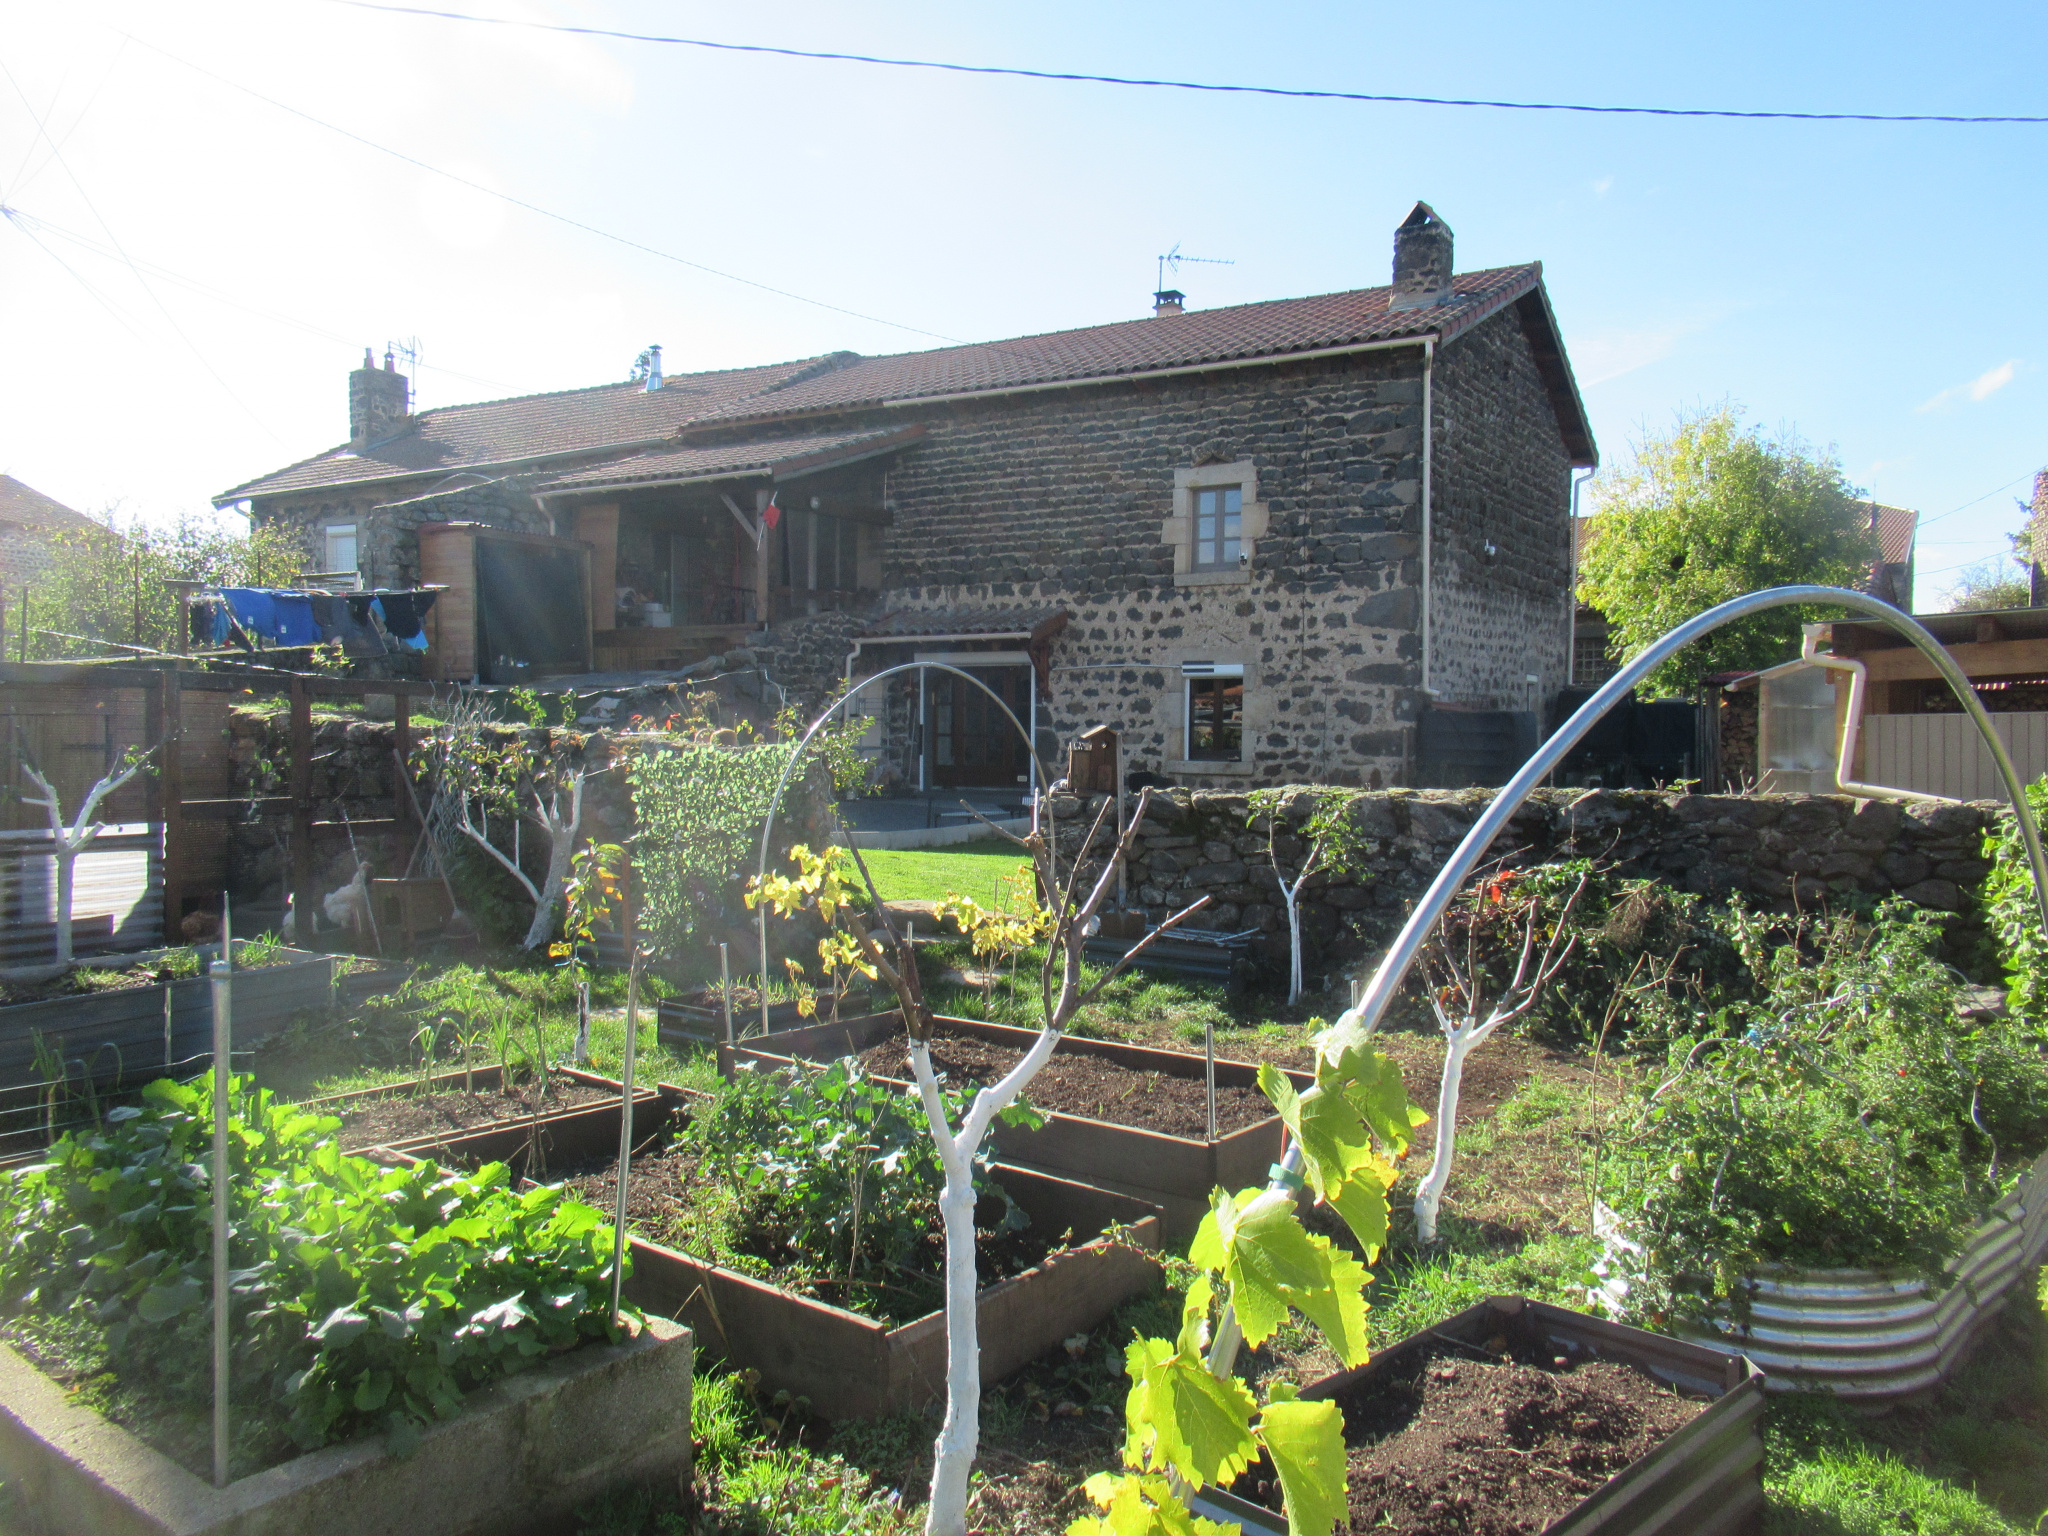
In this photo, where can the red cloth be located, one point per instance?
(771, 514)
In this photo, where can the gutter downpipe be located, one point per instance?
(1360, 1020)
(1571, 596)
(1428, 490)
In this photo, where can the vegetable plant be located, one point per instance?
(844, 1173)
(591, 898)
(364, 1297)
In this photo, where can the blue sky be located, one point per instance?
(1871, 287)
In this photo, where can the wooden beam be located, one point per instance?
(1989, 629)
(1998, 658)
(304, 899)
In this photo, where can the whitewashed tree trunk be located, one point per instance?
(546, 811)
(1297, 983)
(74, 839)
(1459, 1040)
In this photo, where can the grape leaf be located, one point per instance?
(1194, 1315)
(1336, 1144)
(1306, 1442)
(1272, 1263)
(1141, 1506)
(1180, 1416)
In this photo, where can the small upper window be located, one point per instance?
(340, 551)
(1219, 527)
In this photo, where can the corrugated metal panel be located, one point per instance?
(1872, 1336)
(1944, 755)
(119, 877)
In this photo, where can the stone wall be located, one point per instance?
(1501, 608)
(1776, 850)
(387, 520)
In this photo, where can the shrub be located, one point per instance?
(2013, 914)
(1844, 1117)
(364, 1297)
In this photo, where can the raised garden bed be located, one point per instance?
(1874, 1335)
(519, 1458)
(1127, 1117)
(419, 1117)
(1517, 1417)
(698, 1017)
(851, 1366)
(118, 1034)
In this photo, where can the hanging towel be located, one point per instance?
(337, 620)
(402, 613)
(281, 618)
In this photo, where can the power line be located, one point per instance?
(1952, 511)
(546, 213)
(1185, 85)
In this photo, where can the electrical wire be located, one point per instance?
(1077, 76)
(520, 202)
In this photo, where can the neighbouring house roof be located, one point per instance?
(920, 623)
(609, 417)
(25, 509)
(783, 459)
(1896, 530)
(626, 418)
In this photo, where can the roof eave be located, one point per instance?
(245, 492)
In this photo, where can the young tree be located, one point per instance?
(1705, 514)
(1333, 844)
(1470, 1004)
(74, 839)
(108, 584)
(2000, 582)
(823, 889)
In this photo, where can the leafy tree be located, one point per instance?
(1707, 513)
(108, 583)
(2000, 582)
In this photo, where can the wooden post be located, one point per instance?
(762, 617)
(170, 798)
(303, 896)
(401, 732)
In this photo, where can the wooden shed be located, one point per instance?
(516, 605)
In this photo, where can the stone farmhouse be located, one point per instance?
(1261, 542)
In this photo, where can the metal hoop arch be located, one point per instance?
(817, 725)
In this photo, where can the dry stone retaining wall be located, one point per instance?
(1775, 850)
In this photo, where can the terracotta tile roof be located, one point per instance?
(26, 508)
(782, 457)
(913, 623)
(1242, 331)
(507, 432)
(1896, 530)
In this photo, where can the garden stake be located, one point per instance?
(227, 932)
(625, 1127)
(725, 988)
(1209, 1070)
(167, 1027)
(223, 1036)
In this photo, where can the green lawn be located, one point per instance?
(932, 874)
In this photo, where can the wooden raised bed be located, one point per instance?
(1704, 1479)
(1175, 1173)
(523, 1455)
(581, 1131)
(851, 1366)
(703, 1023)
(120, 1035)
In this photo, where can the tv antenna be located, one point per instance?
(409, 349)
(1173, 259)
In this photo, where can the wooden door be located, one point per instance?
(969, 740)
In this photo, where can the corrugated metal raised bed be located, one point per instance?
(120, 1035)
(1876, 1336)
(1704, 1480)
(581, 1131)
(851, 1366)
(1176, 1173)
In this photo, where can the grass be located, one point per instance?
(932, 874)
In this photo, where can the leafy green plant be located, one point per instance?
(2012, 911)
(1846, 1117)
(846, 1175)
(1003, 932)
(364, 1297)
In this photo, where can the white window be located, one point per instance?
(1219, 528)
(1215, 711)
(1216, 524)
(340, 550)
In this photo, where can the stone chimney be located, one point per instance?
(376, 401)
(1422, 260)
(1167, 302)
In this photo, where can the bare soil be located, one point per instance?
(1088, 1086)
(404, 1117)
(84, 981)
(1492, 1447)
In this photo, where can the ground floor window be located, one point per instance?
(339, 547)
(1215, 711)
